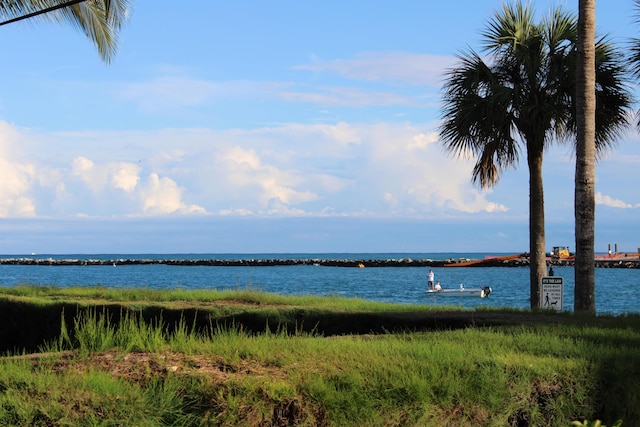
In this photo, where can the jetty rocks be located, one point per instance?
(250, 262)
(523, 261)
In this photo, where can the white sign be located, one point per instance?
(551, 292)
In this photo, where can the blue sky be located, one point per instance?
(274, 126)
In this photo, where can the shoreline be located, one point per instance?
(616, 261)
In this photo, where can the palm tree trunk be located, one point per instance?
(584, 298)
(537, 252)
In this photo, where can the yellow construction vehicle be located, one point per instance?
(560, 252)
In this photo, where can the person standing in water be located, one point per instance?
(430, 278)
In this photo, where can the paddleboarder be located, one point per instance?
(430, 278)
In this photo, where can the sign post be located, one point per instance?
(551, 293)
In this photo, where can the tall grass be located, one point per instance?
(496, 376)
(133, 372)
(95, 331)
(248, 297)
(46, 396)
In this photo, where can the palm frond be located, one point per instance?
(477, 119)
(634, 49)
(510, 29)
(100, 20)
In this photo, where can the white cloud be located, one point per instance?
(390, 200)
(168, 91)
(94, 177)
(162, 196)
(351, 97)
(177, 90)
(125, 176)
(235, 212)
(394, 71)
(246, 169)
(83, 186)
(16, 175)
(602, 199)
(343, 133)
(183, 91)
(23, 207)
(395, 67)
(98, 177)
(408, 163)
(384, 169)
(422, 140)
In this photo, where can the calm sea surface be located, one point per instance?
(617, 290)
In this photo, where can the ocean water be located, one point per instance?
(617, 290)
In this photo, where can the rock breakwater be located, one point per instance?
(361, 263)
(405, 262)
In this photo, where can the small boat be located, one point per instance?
(481, 291)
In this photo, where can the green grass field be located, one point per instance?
(147, 358)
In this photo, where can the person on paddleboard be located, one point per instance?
(430, 278)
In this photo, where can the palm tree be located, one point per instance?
(523, 99)
(100, 20)
(584, 296)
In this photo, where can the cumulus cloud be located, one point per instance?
(22, 207)
(16, 176)
(84, 186)
(156, 195)
(15, 182)
(341, 169)
(604, 200)
(161, 196)
(95, 177)
(246, 169)
(408, 163)
(125, 176)
(98, 177)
